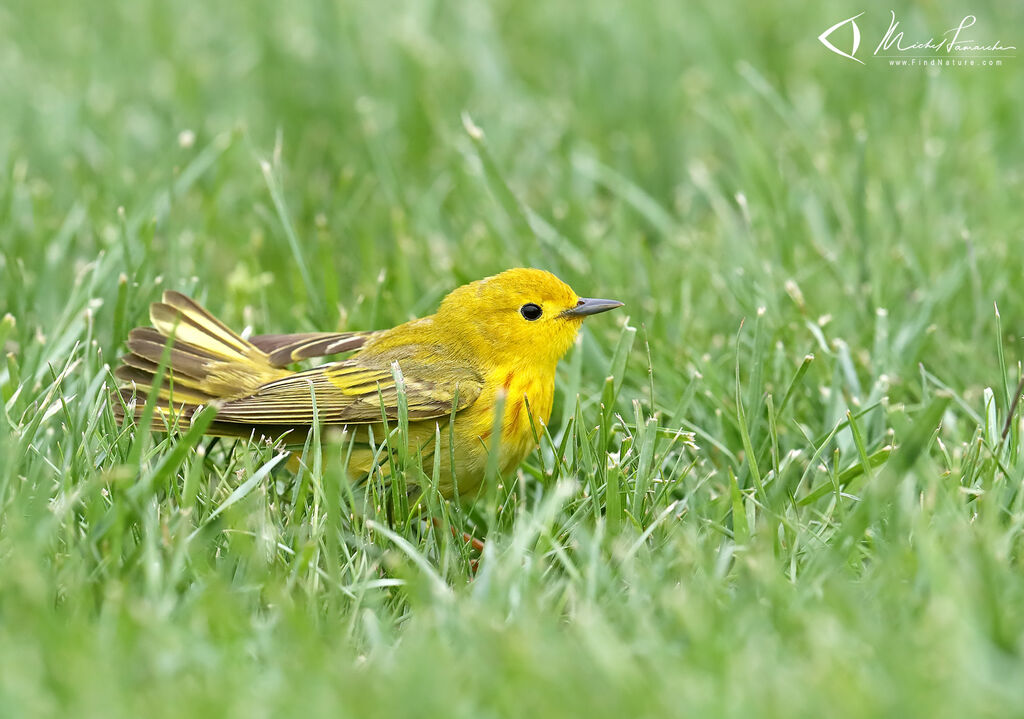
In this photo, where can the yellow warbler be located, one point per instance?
(499, 337)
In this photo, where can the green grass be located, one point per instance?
(777, 484)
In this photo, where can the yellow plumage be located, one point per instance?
(500, 337)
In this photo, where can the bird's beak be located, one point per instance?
(589, 306)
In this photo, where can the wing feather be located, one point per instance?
(283, 350)
(356, 391)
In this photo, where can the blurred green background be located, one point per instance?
(343, 165)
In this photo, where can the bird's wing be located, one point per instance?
(283, 350)
(357, 390)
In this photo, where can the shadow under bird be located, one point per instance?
(496, 339)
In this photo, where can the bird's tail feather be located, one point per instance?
(204, 361)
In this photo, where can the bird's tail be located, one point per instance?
(203, 361)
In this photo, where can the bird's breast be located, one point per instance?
(528, 396)
(528, 400)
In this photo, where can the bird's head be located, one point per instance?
(519, 315)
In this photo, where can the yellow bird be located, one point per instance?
(499, 337)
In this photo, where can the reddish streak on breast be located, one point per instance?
(514, 421)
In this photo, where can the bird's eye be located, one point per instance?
(531, 311)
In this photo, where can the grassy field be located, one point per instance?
(783, 481)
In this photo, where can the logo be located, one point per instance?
(852, 21)
(954, 47)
